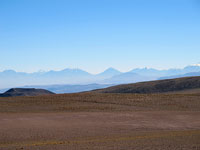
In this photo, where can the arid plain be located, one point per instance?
(101, 121)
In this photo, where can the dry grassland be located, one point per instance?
(101, 102)
(98, 121)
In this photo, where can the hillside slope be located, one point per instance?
(160, 86)
(25, 92)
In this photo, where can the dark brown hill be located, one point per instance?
(159, 86)
(25, 92)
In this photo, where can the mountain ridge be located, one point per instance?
(158, 86)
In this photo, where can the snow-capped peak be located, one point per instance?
(196, 65)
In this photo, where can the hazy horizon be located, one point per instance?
(197, 64)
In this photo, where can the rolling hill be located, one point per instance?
(60, 89)
(159, 86)
(25, 92)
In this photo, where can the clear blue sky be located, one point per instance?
(96, 34)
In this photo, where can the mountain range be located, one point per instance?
(77, 80)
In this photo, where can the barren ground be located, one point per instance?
(101, 121)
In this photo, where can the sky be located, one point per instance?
(96, 34)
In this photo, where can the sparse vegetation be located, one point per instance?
(101, 102)
(100, 121)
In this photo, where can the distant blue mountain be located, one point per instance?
(11, 78)
(192, 68)
(110, 72)
(68, 73)
(191, 74)
(128, 77)
(169, 72)
(148, 72)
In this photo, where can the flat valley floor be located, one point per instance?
(101, 122)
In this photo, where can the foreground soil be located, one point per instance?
(100, 130)
(101, 121)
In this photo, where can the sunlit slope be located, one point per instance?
(160, 86)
